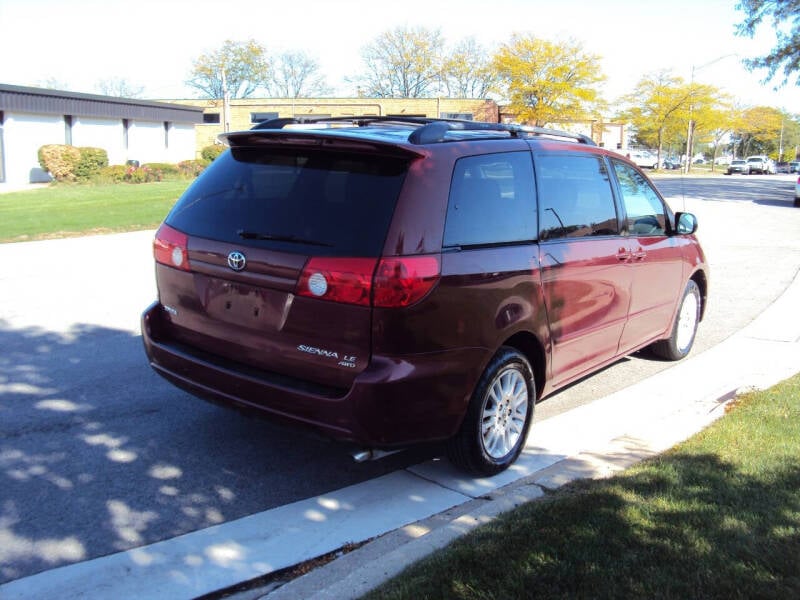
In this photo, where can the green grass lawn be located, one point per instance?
(67, 210)
(716, 517)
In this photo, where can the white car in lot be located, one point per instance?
(797, 193)
(644, 159)
(761, 164)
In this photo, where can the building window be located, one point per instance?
(167, 125)
(258, 117)
(126, 125)
(209, 118)
(68, 130)
(462, 116)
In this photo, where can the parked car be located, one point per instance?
(782, 167)
(671, 164)
(761, 164)
(797, 192)
(738, 166)
(794, 166)
(389, 281)
(644, 159)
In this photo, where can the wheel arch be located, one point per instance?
(700, 278)
(531, 347)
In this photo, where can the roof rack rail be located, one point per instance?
(431, 130)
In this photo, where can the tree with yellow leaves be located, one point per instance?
(547, 82)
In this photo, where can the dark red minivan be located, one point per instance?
(389, 281)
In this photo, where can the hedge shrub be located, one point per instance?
(70, 163)
(211, 152)
(111, 174)
(161, 170)
(59, 160)
(91, 161)
(192, 168)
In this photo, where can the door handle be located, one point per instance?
(623, 254)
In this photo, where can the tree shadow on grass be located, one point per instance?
(693, 528)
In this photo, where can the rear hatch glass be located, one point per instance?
(279, 208)
(323, 203)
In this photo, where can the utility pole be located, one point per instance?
(690, 125)
(226, 104)
(689, 129)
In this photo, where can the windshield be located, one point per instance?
(311, 201)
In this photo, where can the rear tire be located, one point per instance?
(498, 416)
(680, 342)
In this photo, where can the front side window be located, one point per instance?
(645, 213)
(575, 198)
(491, 201)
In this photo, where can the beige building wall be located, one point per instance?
(246, 112)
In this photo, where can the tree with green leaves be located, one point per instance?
(403, 63)
(547, 82)
(467, 71)
(240, 68)
(295, 75)
(785, 55)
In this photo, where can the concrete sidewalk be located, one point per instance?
(410, 513)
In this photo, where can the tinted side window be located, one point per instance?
(575, 196)
(646, 214)
(325, 203)
(491, 200)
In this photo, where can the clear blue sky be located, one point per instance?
(152, 43)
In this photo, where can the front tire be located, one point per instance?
(498, 416)
(681, 340)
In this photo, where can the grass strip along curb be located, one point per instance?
(718, 516)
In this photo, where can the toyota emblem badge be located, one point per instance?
(236, 261)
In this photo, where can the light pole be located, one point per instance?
(690, 124)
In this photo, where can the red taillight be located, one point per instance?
(347, 280)
(170, 247)
(396, 282)
(403, 281)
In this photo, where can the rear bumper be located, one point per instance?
(395, 401)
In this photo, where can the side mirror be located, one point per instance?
(685, 223)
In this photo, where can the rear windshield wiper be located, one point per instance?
(255, 235)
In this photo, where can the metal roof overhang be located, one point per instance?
(55, 102)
